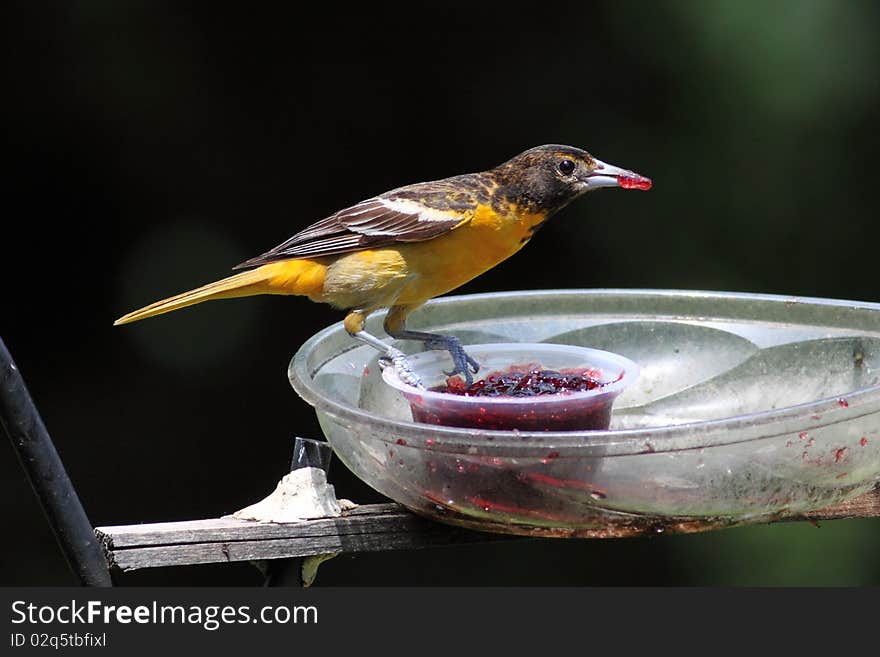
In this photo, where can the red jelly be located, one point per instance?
(634, 181)
(523, 383)
(517, 398)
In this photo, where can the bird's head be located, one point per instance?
(550, 177)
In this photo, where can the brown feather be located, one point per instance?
(408, 214)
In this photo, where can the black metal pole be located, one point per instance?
(46, 474)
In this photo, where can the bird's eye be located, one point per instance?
(566, 167)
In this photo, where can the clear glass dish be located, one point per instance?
(748, 408)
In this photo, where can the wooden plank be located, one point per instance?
(360, 519)
(219, 552)
(375, 527)
(368, 528)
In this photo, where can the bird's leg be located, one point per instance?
(354, 324)
(462, 363)
(391, 356)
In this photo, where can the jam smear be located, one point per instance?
(635, 181)
(523, 384)
(528, 383)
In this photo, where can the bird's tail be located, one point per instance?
(303, 277)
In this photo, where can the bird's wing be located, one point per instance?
(409, 214)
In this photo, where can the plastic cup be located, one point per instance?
(564, 411)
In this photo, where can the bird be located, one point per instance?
(401, 248)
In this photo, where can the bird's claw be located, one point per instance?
(397, 359)
(462, 363)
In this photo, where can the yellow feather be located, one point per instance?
(301, 277)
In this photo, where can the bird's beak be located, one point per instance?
(608, 175)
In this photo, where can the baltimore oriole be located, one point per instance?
(404, 247)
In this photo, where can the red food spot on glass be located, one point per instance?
(366, 371)
(555, 481)
(842, 403)
(401, 441)
(550, 457)
(863, 441)
(490, 506)
(802, 435)
(838, 454)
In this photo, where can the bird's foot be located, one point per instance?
(462, 363)
(397, 359)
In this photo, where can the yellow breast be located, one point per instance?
(411, 273)
(447, 262)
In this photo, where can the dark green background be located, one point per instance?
(154, 145)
